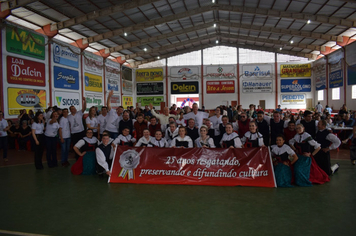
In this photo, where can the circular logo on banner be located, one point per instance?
(220, 69)
(129, 159)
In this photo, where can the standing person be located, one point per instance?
(173, 110)
(328, 109)
(181, 121)
(182, 141)
(76, 123)
(24, 116)
(290, 131)
(24, 135)
(51, 140)
(252, 138)
(140, 125)
(126, 122)
(242, 125)
(251, 113)
(38, 137)
(319, 108)
(92, 121)
(230, 139)
(277, 126)
(158, 141)
(154, 126)
(192, 130)
(4, 126)
(263, 123)
(64, 136)
(310, 125)
(163, 118)
(216, 120)
(104, 155)
(113, 118)
(198, 116)
(102, 121)
(278, 108)
(204, 140)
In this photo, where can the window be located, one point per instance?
(254, 56)
(320, 95)
(335, 93)
(191, 58)
(353, 92)
(220, 55)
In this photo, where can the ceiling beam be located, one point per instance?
(12, 4)
(101, 12)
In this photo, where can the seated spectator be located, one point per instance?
(13, 133)
(25, 133)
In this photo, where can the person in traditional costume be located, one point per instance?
(230, 139)
(171, 132)
(158, 141)
(125, 139)
(146, 140)
(252, 138)
(183, 140)
(204, 140)
(104, 155)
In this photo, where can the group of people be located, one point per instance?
(300, 148)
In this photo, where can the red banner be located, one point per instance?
(25, 72)
(222, 86)
(193, 166)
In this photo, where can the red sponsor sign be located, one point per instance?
(222, 86)
(21, 71)
(193, 166)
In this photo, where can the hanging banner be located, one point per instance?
(295, 70)
(19, 99)
(145, 75)
(93, 83)
(127, 101)
(295, 85)
(319, 72)
(257, 86)
(93, 63)
(65, 78)
(193, 166)
(149, 88)
(146, 101)
(351, 75)
(21, 71)
(94, 99)
(112, 69)
(257, 71)
(184, 87)
(223, 86)
(32, 46)
(113, 84)
(65, 55)
(220, 72)
(293, 99)
(184, 73)
(336, 79)
(67, 99)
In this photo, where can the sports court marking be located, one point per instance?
(19, 233)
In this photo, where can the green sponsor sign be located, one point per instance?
(156, 101)
(29, 48)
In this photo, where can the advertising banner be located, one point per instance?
(293, 99)
(257, 86)
(257, 71)
(193, 166)
(184, 87)
(126, 86)
(115, 101)
(19, 99)
(127, 101)
(319, 72)
(30, 48)
(295, 70)
(222, 86)
(112, 69)
(93, 63)
(336, 79)
(184, 73)
(65, 55)
(93, 83)
(126, 73)
(146, 101)
(146, 75)
(220, 72)
(295, 85)
(67, 99)
(21, 71)
(65, 78)
(351, 75)
(149, 88)
(94, 99)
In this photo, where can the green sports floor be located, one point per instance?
(54, 202)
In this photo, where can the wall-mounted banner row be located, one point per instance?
(184, 73)
(257, 86)
(94, 99)
(65, 56)
(295, 85)
(67, 99)
(220, 72)
(184, 87)
(222, 86)
(146, 101)
(293, 99)
(149, 88)
(92, 62)
(336, 79)
(26, 72)
(20, 98)
(146, 75)
(65, 78)
(260, 71)
(295, 70)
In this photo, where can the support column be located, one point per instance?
(238, 75)
(276, 77)
(167, 96)
(202, 77)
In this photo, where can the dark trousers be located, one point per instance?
(323, 161)
(23, 142)
(75, 138)
(3, 146)
(39, 151)
(51, 154)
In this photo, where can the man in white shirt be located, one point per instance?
(163, 118)
(102, 119)
(198, 116)
(64, 135)
(113, 118)
(4, 126)
(76, 123)
(216, 120)
(319, 108)
(104, 155)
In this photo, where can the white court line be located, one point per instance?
(19, 233)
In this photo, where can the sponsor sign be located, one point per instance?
(293, 99)
(184, 87)
(115, 101)
(295, 70)
(351, 75)
(320, 77)
(127, 101)
(21, 71)
(126, 73)
(257, 71)
(336, 79)
(193, 166)
(65, 78)
(93, 63)
(184, 73)
(220, 72)
(19, 42)
(94, 99)
(67, 99)
(126, 86)
(144, 75)
(112, 69)
(65, 55)
(113, 84)
(155, 101)
(257, 86)
(222, 86)
(149, 88)
(19, 99)
(295, 85)
(93, 83)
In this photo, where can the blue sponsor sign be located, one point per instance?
(295, 85)
(113, 84)
(336, 79)
(65, 56)
(65, 78)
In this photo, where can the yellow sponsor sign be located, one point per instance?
(29, 99)
(127, 101)
(295, 70)
(93, 82)
(144, 75)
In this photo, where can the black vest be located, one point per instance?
(123, 124)
(252, 143)
(87, 147)
(106, 150)
(309, 127)
(276, 128)
(229, 143)
(193, 133)
(182, 143)
(263, 128)
(321, 138)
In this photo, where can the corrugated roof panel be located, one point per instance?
(38, 6)
(271, 21)
(337, 30)
(319, 42)
(295, 6)
(235, 17)
(97, 46)
(71, 34)
(280, 5)
(247, 19)
(307, 41)
(23, 23)
(30, 16)
(266, 4)
(251, 3)
(63, 39)
(323, 28)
